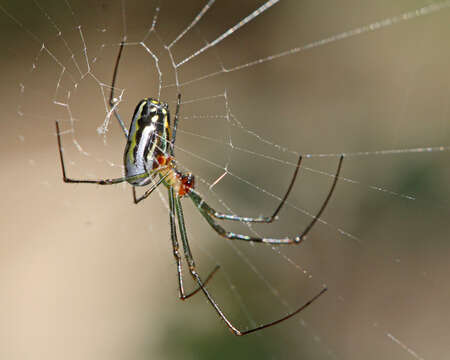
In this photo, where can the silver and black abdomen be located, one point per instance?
(148, 137)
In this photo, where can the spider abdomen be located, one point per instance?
(149, 136)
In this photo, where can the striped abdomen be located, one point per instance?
(149, 136)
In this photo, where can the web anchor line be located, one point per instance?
(372, 27)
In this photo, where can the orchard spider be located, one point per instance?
(149, 160)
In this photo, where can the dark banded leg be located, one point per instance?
(176, 252)
(175, 124)
(196, 276)
(201, 204)
(83, 181)
(149, 191)
(112, 105)
(206, 210)
(325, 203)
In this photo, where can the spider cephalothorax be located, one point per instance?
(182, 183)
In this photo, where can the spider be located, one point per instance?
(149, 159)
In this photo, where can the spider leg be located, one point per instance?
(196, 276)
(173, 234)
(82, 181)
(203, 208)
(195, 291)
(112, 104)
(233, 236)
(325, 203)
(149, 191)
(262, 219)
(175, 124)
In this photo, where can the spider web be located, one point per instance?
(261, 83)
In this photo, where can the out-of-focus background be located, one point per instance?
(85, 274)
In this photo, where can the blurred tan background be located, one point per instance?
(85, 274)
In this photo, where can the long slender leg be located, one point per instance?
(149, 191)
(112, 104)
(262, 219)
(325, 203)
(176, 252)
(233, 236)
(287, 240)
(82, 181)
(196, 276)
(175, 125)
